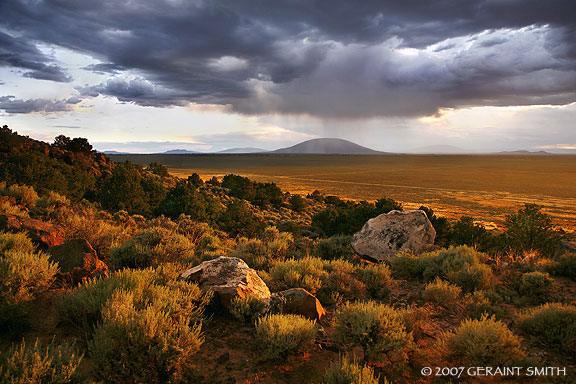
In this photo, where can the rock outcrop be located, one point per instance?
(78, 261)
(45, 235)
(228, 278)
(389, 233)
(297, 301)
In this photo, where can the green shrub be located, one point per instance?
(483, 342)
(51, 204)
(305, 273)
(185, 198)
(348, 217)
(460, 265)
(472, 277)
(261, 253)
(441, 293)
(15, 242)
(23, 273)
(406, 264)
(278, 335)
(553, 324)
(377, 328)
(83, 306)
(333, 280)
(144, 340)
(238, 219)
(335, 247)
(96, 227)
(247, 308)
(535, 287)
(345, 371)
(130, 255)
(153, 247)
(297, 203)
(565, 266)
(479, 303)
(23, 194)
(531, 229)
(6, 208)
(53, 364)
(377, 278)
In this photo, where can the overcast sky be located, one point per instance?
(151, 75)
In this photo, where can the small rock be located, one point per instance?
(78, 261)
(297, 301)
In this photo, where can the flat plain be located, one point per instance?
(486, 187)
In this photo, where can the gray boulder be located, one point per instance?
(228, 278)
(387, 234)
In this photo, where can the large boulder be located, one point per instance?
(228, 278)
(386, 234)
(297, 301)
(78, 261)
(45, 235)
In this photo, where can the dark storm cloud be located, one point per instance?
(105, 68)
(10, 104)
(19, 53)
(332, 58)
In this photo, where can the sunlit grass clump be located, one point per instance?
(346, 371)
(461, 265)
(331, 280)
(377, 328)
(441, 293)
(535, 288)
(482, 342)
(247, 308)
(278, 335)
(23, 272)
(148, 336)
(152, 247)
(83, 306)
(51, 364)
(553, 324)
(565, 266)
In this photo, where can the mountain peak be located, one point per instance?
(328, 146)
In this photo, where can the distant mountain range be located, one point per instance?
(178, 152)
(524, 152)
(243, 150)
(332, 146)
(328, 147)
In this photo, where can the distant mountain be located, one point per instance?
(115, 153)
(178, 152)
(243, 150)
(524, 152)
(561, 151)
(327, 147)
(440, 149)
